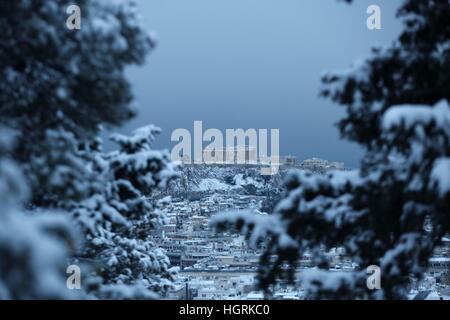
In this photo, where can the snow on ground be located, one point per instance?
(209, 184)
(240, 180)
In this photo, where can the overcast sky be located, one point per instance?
(254, 64)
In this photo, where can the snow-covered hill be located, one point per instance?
(220, 178)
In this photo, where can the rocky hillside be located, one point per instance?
(203, 179)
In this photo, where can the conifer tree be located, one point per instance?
(394, 210)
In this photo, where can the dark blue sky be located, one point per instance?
(254, 64)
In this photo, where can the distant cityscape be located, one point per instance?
(222, 266)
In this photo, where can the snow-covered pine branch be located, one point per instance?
(119, 218)
(34, 248)
(57, 88)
